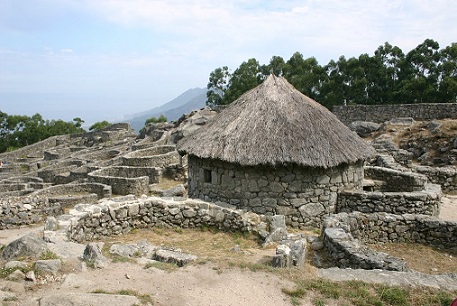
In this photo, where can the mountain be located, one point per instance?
(186, 102)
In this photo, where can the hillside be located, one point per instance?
(186, 102)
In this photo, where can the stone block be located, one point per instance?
(45, 267)
(283, 258)
(174, 257)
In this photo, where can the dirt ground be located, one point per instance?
(205, 283)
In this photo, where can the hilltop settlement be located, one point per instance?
(316, 188)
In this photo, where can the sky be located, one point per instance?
(102, 59)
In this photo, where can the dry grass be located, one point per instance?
(207, 244)
(166, 183)
(216, 247)
(422, 258)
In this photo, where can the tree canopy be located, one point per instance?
(426, 74)
(17, 131)
(99, 125)
(161, 118)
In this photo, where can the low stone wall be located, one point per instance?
(395, 180)
(12, 187)
(101, 190)
(127, 180)
(20, 211)
(33, 150)
(345, 236)
(426, 202)
(49, 172)
(159, 156)
(91, 222)
(382, 113)
(56, 154)
(445, 176)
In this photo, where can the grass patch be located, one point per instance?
(393, 296)
(357, 293)
(421, 257)
(4, 272)
(118, 258)
(145, 299)
(165, 266)
(48, 255)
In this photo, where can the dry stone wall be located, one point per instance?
(127, 180)
(345, 236)
(426, 202)
(20, 211)
(91, 222)
(445, 176)
(395, 180)
(382, 113)
(101, 190)
(303, 195)
(160, 156)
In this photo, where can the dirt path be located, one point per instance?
(449, 208)
(192, 285)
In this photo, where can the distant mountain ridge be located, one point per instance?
(186, 102)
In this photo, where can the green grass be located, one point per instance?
(358, 293)
(48, 255)
(165, 266)
(4, 272)
(145, 299)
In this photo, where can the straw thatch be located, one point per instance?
(275, 124)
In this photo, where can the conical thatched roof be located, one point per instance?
(275, 124)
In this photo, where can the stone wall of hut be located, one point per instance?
(303, 194)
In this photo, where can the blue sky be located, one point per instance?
(100, 59)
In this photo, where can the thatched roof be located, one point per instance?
(275, 124)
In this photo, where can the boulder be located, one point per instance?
(364, 128)
(16, 275)
(28, 246)
(174, 257)
(93, 254)
(190, 124)
(51, 224)
(50, 266)
(282, 258)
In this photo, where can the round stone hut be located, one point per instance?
(275, 151)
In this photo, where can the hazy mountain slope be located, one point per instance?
(186, 102)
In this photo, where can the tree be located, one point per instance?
(245, 77)
(304, 74)
(276, 66)
(162, 118)
(447, 68)
(217, 85)
(18, 131)
(420, 82)
(390, 63)
(78, 122)
(99, 125)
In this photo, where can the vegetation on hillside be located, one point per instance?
(161, 118)
(99, 125)
(17, 131)
(426, 74)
